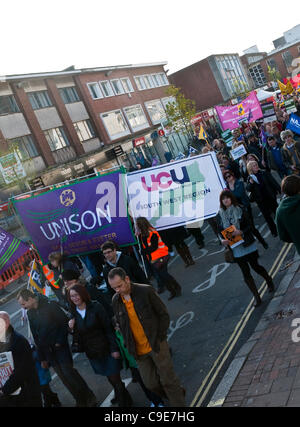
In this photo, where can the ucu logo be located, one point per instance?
(164, 180)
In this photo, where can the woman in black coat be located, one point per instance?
(24, 375)
(246, 254)
(263, 190)
(96, 338)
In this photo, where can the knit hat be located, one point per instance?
(70, 275)
(286, 133)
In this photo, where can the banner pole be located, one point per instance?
(21, 225)
(140, 251)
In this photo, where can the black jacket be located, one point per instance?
(267, 191)
(49, 326)
(131, 267)
(151, 312)
(246, 226)
(172, 236)
(95, 331)
(24, 374)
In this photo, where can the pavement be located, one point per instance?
(266, 370)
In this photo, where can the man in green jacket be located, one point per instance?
(288, 213)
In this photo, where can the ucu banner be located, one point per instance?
(176, 193)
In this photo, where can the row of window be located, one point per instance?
(114, 122)
(56, 138)
(107, 88)
(98, 90)
(38, 100)
(117, 127)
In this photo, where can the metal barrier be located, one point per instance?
(17, 269)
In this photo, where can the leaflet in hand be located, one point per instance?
(233, 241)
(6, 368)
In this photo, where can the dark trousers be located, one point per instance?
(197, 234)
(255, 232)
(62, 362)
(251, 260)
(164, 279)
(152, 397)
(267, 209)
(19, 402)
(162, 275)
(158, 374)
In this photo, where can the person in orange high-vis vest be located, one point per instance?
(157, 253)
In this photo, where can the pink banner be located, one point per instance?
(249, 109)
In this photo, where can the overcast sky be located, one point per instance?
(51, 35)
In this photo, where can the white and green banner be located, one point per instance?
(176, 193)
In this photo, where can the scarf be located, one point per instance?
(254, 178)
(231, 216)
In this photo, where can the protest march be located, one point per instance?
(98, 249)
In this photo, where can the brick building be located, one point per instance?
(66, 124)
(281, 58)
(212, 81)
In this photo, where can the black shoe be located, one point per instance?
(201, 246)
(172, 296)
(114, 400)
(51, 401)
(123, 397)
(265, 245)
(275, 234)
(161, 290)
(91, 401)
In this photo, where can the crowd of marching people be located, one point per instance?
(117, 317)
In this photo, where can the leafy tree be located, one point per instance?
(241, 88)
(274, 74)
(180, 111)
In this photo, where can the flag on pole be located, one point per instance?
(11, 249)
(250, 116)
(285, 89)
(180, 156)
(289, 87)
(203, 134)
(241, 110)
(192, 150)
(263, 137)
(36, 283)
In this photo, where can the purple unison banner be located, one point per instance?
(11, 249)
(249, 109)
(78, 217)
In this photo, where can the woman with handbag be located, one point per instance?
(97, 340)
(157, 254)
(245, 254)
